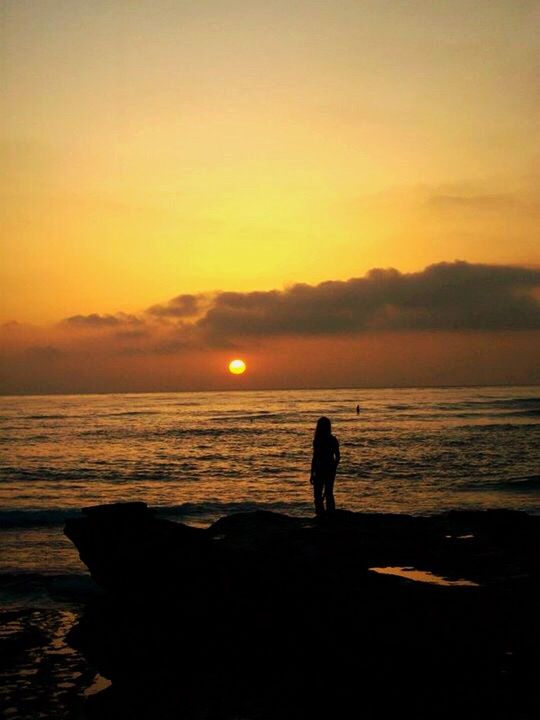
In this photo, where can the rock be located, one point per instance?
(124, 545)
(267, 616)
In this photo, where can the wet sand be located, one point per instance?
(41, 676)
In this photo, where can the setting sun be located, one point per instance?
(237, 367)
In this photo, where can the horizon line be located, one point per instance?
(292, 389)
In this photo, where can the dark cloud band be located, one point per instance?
(179, 307)
(456, 296)
(445, 296)
(102, 321)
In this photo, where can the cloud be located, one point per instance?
(132, 334)
(101, 321)
(450, 323)
(179, 307)
(445, 296)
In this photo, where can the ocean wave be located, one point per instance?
(526, 483)
(26, 439)
(208, 432)
(525, 413)
(78, 416)
(517, 401)
(44, 417)
(36, 518)
(55, 517)
(507, 427)
(106, 471)
(521, 484)
(217, 508)
(232, 415)
(129, 412)
(490, 403)
(38, 590)
(124, 433)
(9, 474)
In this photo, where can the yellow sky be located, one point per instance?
(166, 147)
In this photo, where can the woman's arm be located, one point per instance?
(337, 455)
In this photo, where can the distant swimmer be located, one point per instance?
(358, 409)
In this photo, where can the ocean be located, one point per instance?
(197, 456)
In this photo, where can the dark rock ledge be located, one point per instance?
(269, 617)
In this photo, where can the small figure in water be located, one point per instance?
(358, 409)
(324, 465)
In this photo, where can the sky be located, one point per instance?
(341, 193)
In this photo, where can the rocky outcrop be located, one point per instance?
(269, 616)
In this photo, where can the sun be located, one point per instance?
(237, 367)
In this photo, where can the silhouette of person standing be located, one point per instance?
(324, 465)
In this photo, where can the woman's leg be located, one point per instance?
(318, 487)
(329, 493)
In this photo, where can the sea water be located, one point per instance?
(198, 456)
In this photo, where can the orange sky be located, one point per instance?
(154, 149)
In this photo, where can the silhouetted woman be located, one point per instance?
(323, 466)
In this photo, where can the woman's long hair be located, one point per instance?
(323, 431)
